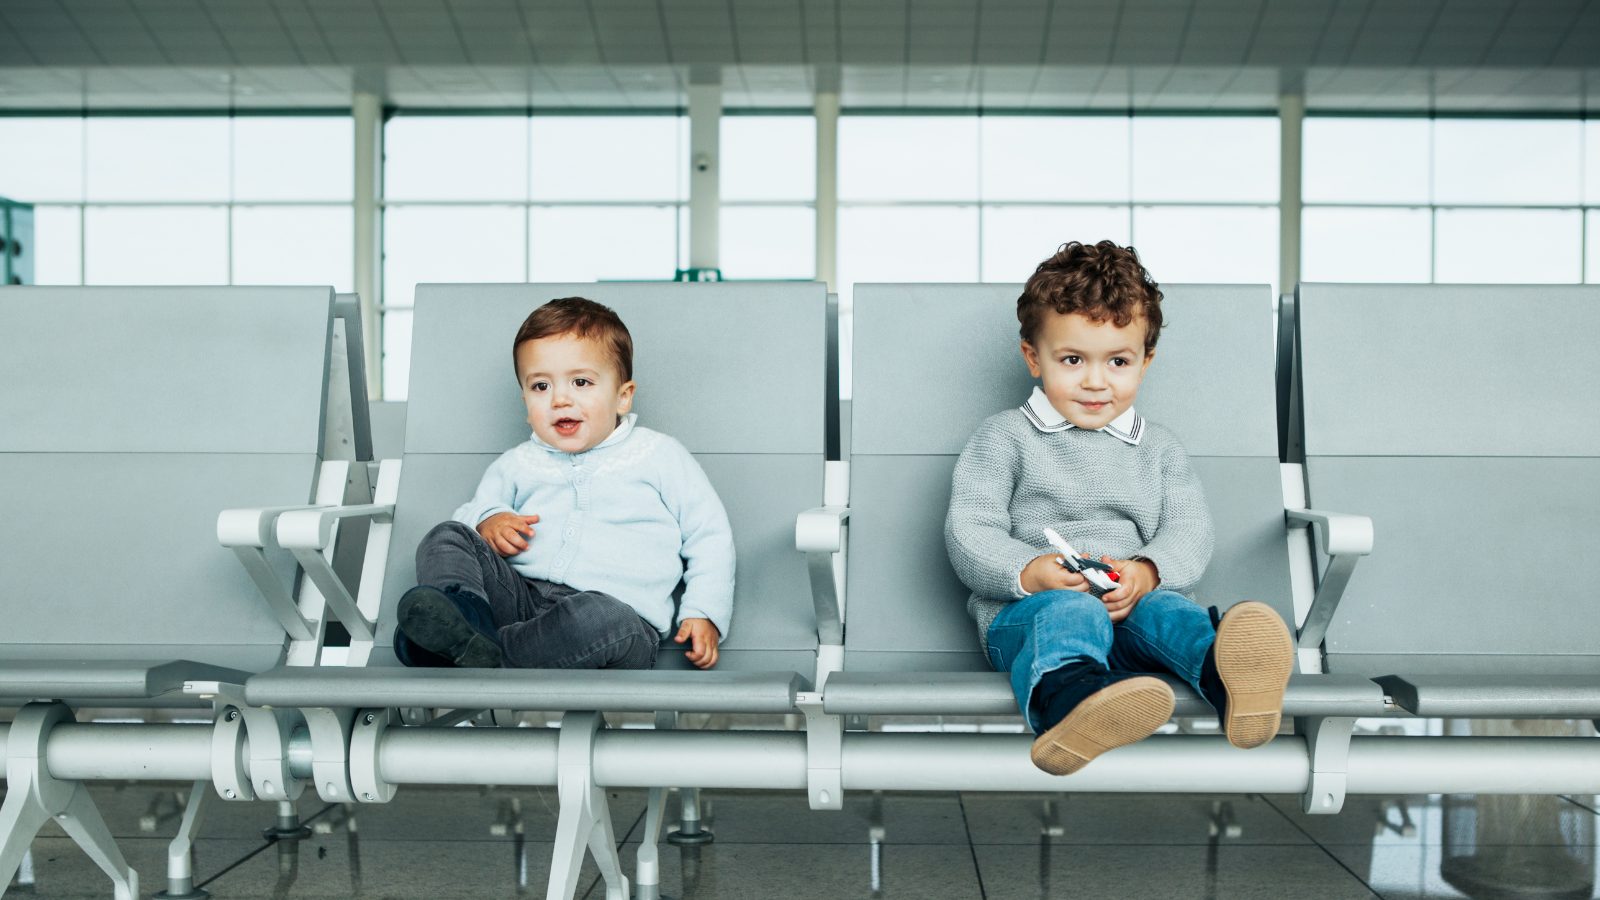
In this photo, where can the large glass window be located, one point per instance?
(1448, 200)
(1509, 246)
(41, 159)
(184, 199)
(1387, 245)
(515, 198)
(768, 187)
(1031, 183)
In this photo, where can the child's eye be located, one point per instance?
(582, 382)
(1071, 360)
(539, 386)
(1119, 361)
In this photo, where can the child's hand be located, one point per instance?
(1136, 577)
(504, 532)
(1044, 573)
(702, 637)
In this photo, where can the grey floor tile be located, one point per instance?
(1236, 872)
(1125, 819)
(352, 866)
(1405, 871)
(731, 871)
(473, 814)
(61, 871)
(786, 818)
(155, 810)
(1434, 820)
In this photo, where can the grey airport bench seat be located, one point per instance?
(734, 372)
(129, 418)
(933, 361)
(1461, 418)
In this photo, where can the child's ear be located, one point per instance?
(1031, 357)
(1149, 357)
(625, 398)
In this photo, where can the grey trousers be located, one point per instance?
(541, 624)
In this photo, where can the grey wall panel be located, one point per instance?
(720, 367)
(159, 370)
(107, 554)
(1489, 556)
(932, 361)
(762, 494)
(1450, 370)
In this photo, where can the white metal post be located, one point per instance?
(827, 112)
(367, 111)
(1291, 120)
(705, 172)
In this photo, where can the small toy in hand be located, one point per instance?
(1101, 577)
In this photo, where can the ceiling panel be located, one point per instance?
(1357, 54)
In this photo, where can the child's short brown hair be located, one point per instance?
(584, 319)
(1103, 282)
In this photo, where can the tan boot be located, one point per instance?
(1254, 657)
(1120, 713)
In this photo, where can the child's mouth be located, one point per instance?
(567, 427)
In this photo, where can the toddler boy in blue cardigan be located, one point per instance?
(1077, 458)
(624, 514)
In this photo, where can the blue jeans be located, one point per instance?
(1165, 632)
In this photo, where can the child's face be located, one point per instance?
(1089, 370)
(573, 391)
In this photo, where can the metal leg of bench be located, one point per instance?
(34, 798)
(647, 869)
(690, 830)
(585, 817)
(288, 826)
(24, 877)
(180, 853)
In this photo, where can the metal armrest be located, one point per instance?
(1345, 538)
(249, 531)
(307, 532)
(311, 528)
(820, 534)
(252, 527)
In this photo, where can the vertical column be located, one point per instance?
(705, 189)
(367, 110)
(827, 111)
(1291, 119)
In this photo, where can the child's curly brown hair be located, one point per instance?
(1104, 282)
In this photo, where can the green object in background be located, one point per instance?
(16, 242)
(698, 275)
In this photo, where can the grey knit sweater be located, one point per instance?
(1106, 497)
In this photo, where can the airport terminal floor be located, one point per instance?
(496, 842)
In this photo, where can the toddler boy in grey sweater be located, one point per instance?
(1077, 458)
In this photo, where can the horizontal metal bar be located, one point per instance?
(776, 760)
(90, 752)
(509, 756)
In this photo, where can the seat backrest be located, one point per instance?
(933, 361)
(733, 372)
(1461, 418)
(129, 418)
